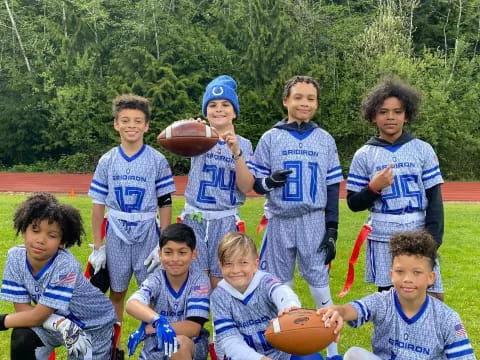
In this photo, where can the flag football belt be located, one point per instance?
(131, 217)
(404, 218)
(208, 215)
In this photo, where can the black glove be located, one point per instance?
(328, 243)
(278, 178)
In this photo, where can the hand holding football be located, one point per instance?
(188, 138)
(299, 332)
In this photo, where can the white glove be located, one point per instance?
(153, 260)
(98, 258)
(76, 340)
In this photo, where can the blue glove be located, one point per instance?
(166, 336)
(136, 338)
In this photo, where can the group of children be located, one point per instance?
(204, 264)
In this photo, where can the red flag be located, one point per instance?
(362, 236)
(262, 224)
(241, 226)
(211, 350)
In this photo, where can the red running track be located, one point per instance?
(79, 184)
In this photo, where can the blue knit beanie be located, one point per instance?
(221, 88)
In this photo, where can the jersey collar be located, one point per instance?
(133, 157)
(43, 270)
(247, 295)
(414, 318)
(174, 293)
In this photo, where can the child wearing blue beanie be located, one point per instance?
(223, 87)
(219, 179)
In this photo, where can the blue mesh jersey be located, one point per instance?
(415, 169)
(132, 185)
(211, 180)
(192, 300)
(60, 285)
(435, 332)
(246, 316)
(311, 155)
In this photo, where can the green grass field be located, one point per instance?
(459, 252)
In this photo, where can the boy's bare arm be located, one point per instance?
(244, 178)
(98, 213)
(187, 328)
(145, 313)
(28, 316)
(140, 311)
(22, 307)
(165, 216)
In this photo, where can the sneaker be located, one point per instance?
(316, 356)
(335, 357)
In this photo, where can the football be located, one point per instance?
(188, 138)
(299, 332)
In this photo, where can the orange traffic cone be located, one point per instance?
(72, 193)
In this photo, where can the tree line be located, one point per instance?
(62, 61)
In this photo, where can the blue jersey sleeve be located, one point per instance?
(13, 283)
(457, 343)
(198, 301)
(164, 181)
(431, 174)
(334, 172)
(261, 161)
(99, 185)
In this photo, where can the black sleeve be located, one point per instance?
(331, 210)
(362, 200)
(258, 186)
(197, 319)
(165, 200)
(434, 213)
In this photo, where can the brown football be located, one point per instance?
(188, 138)
(299, 332)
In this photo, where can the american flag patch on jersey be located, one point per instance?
(272, 280)
(459, 330)
(200, 290)
(69, 278)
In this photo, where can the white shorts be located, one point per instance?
(288, 239)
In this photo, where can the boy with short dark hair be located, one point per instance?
(408, 323)
(299, 172)
(55, 305)
(134, 183)
(174, 301)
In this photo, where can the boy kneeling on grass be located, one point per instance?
(173, 302)
(55, 304)
(245, 301)
(408, 323)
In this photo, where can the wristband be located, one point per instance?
(153, 320)
(236, 157)
(373, 190)
(265, 186)
(2, 322)
(51, 322)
